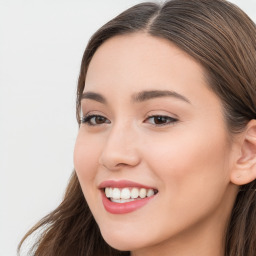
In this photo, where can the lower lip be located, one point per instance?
(122, 208)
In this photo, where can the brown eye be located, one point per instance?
(161, 120)
(95, 120)
(99, 120)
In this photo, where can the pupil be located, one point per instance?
(160, 119)
(99, 119)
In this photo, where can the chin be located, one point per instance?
(123, 242)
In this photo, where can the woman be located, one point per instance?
(166, 151)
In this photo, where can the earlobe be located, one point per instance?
(244, 170)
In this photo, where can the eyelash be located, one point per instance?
(170, 120)
(88, 120)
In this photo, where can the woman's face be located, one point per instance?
(154, 135)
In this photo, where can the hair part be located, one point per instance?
(222, 38)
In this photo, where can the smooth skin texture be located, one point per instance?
(186, 153)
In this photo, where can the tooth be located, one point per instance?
(110, 192)
(116, 193)
(125, 193)
(121, 200)
(116, 200)
(143, 193)
(134, 193)
(122, 195)
(107, 192)
(150, 192)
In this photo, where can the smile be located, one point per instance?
(125, 195)
(119, 197)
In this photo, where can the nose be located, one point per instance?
(120, 149)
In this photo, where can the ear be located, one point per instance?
(244, 170)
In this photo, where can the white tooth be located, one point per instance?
(126, 200)
(150, 192)
(121, 200)
(143, 193)
(134, 193)
(125, 193)
(116, 193)
(116, 200)
(107, 192)
(110, 192)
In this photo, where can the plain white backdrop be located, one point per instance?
(41, 46)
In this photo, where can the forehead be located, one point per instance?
(138, 61)
(127, 65)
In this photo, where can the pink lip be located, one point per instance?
(122, 208)
(121, 184)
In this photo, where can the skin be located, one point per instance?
(189, 160)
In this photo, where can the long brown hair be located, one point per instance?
(222, 38)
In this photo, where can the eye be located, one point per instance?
(94, 120)
(159, 120)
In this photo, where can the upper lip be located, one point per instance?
(122, 184)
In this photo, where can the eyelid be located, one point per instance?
(87, 113)
(86, 119)
(167, 118)
(172, 120)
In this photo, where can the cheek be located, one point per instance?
(192, 176)
(191, 164)
(86, 163)
(86, 155)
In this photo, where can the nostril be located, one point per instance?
(116, 162)
(117, 154)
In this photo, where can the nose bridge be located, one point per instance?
(120, 148)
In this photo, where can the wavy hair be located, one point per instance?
(222, 38)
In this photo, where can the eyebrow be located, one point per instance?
(138, 97)
(94, 96)
(147, 95)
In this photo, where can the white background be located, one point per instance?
(41, 45)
